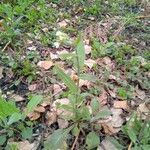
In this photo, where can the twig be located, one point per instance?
(75, 141)
(129, 148)
(6, 46)
(142, 17)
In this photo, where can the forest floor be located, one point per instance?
(100, 47)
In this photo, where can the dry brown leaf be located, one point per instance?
(103, 98)
(108, 63)
(62, 123)
(84, 83)
(51, 117)
(112, 93)
(32, 87)
(25, 145)
(90, 63)
(53, 56)
(88, 49)
(40, 109)
(121, 105)
(1, 72)
(17, 98)
(140, 94)
(62, 52)
(34, 116)
(62, 23)
(113, 124)
(56, 89)
(60, 111)
(45, 64)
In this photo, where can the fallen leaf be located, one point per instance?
(114, 123)
(103, 98)
(45, 30)
(45, 64)
(107, 145)
(17, 98)
(32, 48)
(108, 63)
(32, 87)
(61, 111)
(53, 56)
(121, 105)
(62, 123)
(1, 72)
(62, 52)
(90, 63)
(84, 83)
(88, 49)
(56, 89)
(40, 109)
(62, 24)
(25, 145)
(140, 94)
(34, 116)
(112, 93)
(51, 117)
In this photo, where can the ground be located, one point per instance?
(75, 74)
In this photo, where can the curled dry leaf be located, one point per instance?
(84, 83)
(45, 64)
(51, 117)
(34, 116)
(90, 63)
(121, 105)
(40, 109)
(32, 87)
(103, 98)
(62, 123)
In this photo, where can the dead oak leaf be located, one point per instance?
(33, 116)
(51, 117)
(90, 63)
(40, 109)
(103, 98)
(121, 105)
(62, 24)
(45, 64)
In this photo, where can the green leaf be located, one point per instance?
(27, 133)
(146, 147)
(14, 118)
(7, 108)
(92, 140)
(101, 115)
(2, 139)
(66, 79)
(88, 77)
(35, 100)
(56, 140)
(75, 131)
(80, 53)
(85, 113)
(95, 104)
(132, 135)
